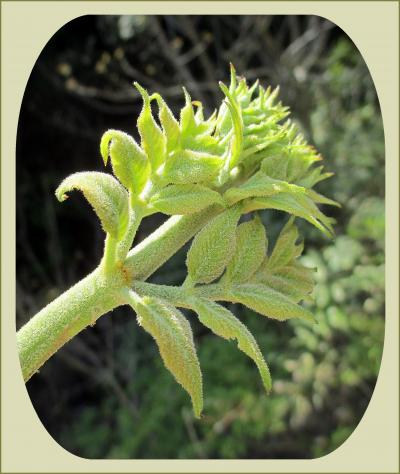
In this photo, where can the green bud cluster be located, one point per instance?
(247, 156)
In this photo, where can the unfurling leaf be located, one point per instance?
(184, 199)
(269, 302)
(213, 247)
(186, 166)
(129, 162)
(105, 194)
(224, 324)
(153, 139)
(251, 243)
(174, 338)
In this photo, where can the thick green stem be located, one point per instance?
(174, 294)
(157, 248)
(109, 257)
(65, 317)
(135, 218)
(180, 296)
(100, 291)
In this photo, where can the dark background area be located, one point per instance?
(106, 394)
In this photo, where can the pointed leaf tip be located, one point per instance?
(174, 338)
(224, 324)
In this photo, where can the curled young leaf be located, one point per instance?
(184, 199)
(153, 139)
(105, 194)
(129, 162)
(186, 166)
(224, 324)
(251, 243)
(174, 338)
(269, 302)
(213, 247)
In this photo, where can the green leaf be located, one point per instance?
(313, 177)
(251, 243)
(319, 198)
(237, 121)
(224, 324)
(186, 166)
(187, 117)
(169, 124)
(275, 166)
(269, 302)
(294, 281)
(259, 185)
(153, 139)
(285, 249)
(174, 338)
(213, 247)
(184, 199)
(300, 157)
(129, 162)
(282, 272)
(298, 205)
(107, 197)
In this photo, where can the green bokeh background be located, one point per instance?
(106, 394)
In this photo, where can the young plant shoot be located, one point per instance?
(204, 173)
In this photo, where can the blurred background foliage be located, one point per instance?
(106, 394)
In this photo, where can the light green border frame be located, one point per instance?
(26, 26)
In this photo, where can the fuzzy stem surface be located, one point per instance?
(63, 318)
(101, 291)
